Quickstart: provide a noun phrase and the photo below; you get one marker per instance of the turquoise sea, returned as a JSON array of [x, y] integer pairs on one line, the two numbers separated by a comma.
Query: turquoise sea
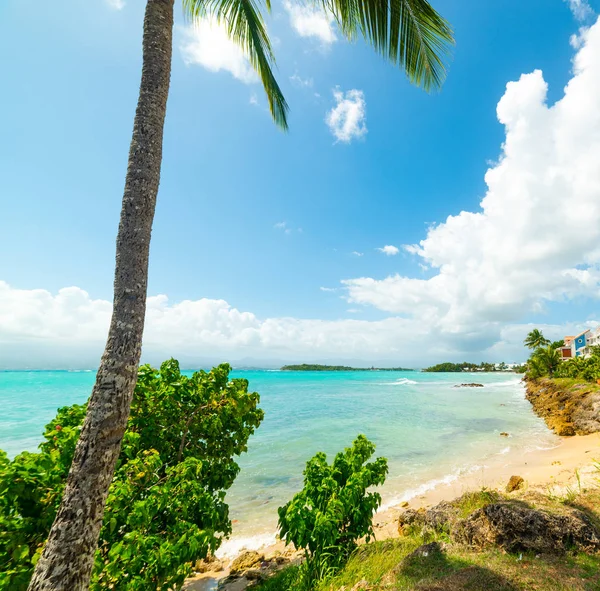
[[430, 431]]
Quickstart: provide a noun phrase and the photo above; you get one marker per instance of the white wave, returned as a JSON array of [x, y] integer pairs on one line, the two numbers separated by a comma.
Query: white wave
[[504, 451], [512, 382], [400, 382], [234, 545], [429, 486]]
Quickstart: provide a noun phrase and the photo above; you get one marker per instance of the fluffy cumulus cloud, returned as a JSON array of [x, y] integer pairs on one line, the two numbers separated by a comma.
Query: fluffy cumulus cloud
[[389, 250], [347, 120], [536, 238], [69, 328], [309, 20], [207, 44]]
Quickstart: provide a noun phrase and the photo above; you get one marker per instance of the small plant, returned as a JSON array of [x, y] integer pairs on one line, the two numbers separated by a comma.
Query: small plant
[[333, 511]]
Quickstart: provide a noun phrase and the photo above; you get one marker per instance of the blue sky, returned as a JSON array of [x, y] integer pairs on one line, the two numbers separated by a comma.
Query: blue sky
[[231, 180]]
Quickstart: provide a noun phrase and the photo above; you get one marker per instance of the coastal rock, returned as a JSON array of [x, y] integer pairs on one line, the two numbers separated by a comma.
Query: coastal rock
[[279, 558], [437, 518], [504, 434], [515, 483], [255, 574], [567, 410], [408, 518], [233, 583], [246, 561], [517, 527], [470, 385], [208, 564]]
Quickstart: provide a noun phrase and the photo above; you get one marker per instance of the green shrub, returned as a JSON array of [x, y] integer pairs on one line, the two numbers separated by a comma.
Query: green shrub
[[334, 509], [165, 507], [579, 368]]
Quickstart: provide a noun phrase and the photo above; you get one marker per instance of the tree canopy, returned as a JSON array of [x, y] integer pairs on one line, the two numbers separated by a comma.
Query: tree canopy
[[165, 506]]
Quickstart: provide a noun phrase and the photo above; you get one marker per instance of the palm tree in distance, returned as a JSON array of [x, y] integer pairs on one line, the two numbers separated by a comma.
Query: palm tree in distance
[[549, 358], [535, 339], [410, 33]]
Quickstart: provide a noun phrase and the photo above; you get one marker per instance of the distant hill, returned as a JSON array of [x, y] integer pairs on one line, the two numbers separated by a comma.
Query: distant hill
[[315, 367]]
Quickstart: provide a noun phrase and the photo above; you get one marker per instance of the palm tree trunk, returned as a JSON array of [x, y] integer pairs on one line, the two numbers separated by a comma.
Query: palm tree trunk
[[68, 557]]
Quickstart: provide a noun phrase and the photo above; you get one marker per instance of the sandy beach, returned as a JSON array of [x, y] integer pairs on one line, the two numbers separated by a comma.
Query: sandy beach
[[550, 470], [572, 463]]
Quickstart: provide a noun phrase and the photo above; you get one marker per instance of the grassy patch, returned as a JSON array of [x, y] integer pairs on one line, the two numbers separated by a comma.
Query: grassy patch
[[471, 501], [388, 566]]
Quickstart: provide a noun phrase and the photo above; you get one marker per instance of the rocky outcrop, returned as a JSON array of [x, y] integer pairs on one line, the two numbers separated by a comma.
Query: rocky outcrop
[[512, 525], [437, 518], [568, 409], [245, 561], [514, 483], [517, 527], [251, 567]]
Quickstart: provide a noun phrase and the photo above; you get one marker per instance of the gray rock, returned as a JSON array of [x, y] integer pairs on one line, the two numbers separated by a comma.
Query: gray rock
[[517, 527]]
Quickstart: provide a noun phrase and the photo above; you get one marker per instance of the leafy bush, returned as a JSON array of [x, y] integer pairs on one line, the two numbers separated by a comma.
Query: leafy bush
[[165, 507], [333, 510], [587, 369]]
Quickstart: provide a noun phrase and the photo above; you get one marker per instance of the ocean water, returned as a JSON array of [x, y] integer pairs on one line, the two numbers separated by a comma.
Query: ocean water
[[430, 431]]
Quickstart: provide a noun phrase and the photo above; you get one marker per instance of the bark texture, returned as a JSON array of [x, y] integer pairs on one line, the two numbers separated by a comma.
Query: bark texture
[[68, 557]]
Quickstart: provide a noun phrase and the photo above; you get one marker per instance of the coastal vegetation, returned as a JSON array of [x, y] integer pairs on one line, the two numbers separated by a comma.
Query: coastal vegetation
[[468, 367], [334, 510], [483, 540], [317, 367], [165, 507], [564, 392], [409, 33], [545, 360]]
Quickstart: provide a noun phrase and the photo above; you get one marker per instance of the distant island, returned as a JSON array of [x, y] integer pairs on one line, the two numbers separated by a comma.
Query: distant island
[[315, 367], [483, 366]]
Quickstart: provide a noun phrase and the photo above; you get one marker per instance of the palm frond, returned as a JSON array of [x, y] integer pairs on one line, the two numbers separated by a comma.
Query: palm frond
[[246, 28], [410, 33]]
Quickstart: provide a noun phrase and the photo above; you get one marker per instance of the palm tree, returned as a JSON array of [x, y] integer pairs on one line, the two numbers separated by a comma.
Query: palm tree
[[535, 339], [547, 358], [410, 33]]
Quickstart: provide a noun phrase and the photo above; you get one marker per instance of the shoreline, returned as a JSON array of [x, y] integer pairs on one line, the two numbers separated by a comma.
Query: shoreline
[[549, 470], [553, 470]]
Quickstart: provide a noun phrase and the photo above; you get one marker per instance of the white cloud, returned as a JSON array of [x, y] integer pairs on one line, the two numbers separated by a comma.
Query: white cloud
[[536, 238], [254, 99], [328, 289], [309, 20], [389, 250], [348, 119], [358, 254], [581, 9], [68, 329], [116, 4], [297, 80], [286, 228], [207, 44]]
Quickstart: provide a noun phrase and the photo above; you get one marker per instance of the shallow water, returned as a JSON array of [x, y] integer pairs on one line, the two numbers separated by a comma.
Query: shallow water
[[430, 431]]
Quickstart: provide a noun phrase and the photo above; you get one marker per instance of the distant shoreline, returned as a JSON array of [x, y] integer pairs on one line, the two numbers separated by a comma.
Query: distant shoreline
[[316, 367]]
